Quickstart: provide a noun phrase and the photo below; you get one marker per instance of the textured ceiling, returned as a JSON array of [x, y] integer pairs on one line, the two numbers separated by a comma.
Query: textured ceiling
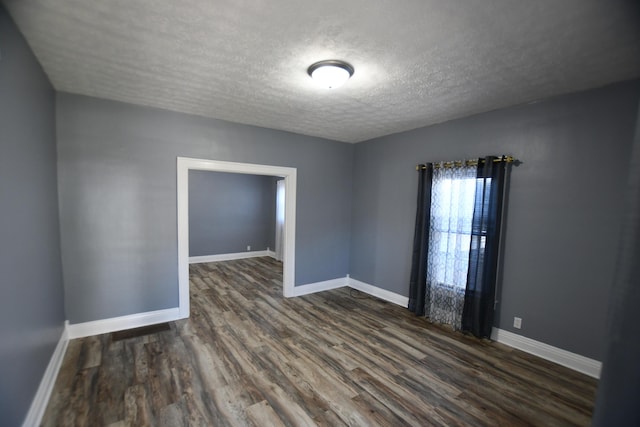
[[417, 62]]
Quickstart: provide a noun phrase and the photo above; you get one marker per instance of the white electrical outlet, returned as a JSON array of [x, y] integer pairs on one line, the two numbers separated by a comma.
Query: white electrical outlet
[[248, 247], [517, 322]]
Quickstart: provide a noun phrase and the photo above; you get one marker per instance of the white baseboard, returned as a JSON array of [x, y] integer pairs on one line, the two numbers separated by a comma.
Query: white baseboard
[[41, 398], [352, 283], [229, 257], [557, 355], [378, 292], [271, 253], [104, 326], [326, 285]]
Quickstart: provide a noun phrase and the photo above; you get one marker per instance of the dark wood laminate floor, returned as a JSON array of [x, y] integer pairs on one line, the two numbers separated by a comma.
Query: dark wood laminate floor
[[247, 356]]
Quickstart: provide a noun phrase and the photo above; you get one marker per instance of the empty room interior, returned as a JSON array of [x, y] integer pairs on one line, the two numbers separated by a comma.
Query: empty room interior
[[319, 213]]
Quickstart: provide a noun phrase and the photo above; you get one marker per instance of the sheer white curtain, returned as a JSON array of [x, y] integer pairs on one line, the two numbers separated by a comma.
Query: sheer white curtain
[[279, 219], [451, 217]]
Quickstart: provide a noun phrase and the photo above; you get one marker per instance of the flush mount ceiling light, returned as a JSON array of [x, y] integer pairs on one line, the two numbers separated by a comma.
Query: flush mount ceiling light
[[330, 74]]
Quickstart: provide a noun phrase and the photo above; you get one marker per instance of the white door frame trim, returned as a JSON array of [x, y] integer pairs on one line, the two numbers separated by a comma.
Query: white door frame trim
[[289, 174]]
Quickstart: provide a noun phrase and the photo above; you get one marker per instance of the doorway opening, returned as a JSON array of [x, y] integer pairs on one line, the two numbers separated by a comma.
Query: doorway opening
[[184, 164], [279, 226]]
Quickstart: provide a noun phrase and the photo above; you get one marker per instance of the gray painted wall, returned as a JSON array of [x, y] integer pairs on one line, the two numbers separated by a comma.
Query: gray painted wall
[[117, 187], [229, 211], [564, 211], [619, 386], [31, 293]]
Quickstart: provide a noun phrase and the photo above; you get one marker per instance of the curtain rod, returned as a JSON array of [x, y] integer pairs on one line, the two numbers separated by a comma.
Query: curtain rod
[[458, 163]]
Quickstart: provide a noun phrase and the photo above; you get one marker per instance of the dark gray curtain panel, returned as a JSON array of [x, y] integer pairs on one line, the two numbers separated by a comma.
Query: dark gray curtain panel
[[417, 284], [477, 314]]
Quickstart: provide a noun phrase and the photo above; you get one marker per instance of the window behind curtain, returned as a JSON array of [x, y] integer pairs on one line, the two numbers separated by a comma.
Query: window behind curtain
[[451, 220]]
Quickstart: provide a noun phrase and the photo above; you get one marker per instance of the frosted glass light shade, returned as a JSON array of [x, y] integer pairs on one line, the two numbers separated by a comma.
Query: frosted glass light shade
[[330, 74]]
